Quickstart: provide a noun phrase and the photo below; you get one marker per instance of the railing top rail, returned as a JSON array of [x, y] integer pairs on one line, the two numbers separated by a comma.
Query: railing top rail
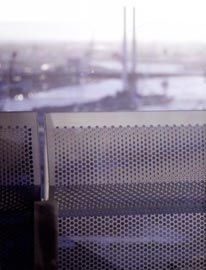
[[102, 119]]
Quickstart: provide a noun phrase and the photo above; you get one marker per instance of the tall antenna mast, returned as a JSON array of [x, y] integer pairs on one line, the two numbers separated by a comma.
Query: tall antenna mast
[[134, 55], [124, 52], [134, 42]]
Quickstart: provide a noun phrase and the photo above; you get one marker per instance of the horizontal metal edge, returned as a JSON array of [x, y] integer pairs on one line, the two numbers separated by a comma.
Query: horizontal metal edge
[[100, 119]]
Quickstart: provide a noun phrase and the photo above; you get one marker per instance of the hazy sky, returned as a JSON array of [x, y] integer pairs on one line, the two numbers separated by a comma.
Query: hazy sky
[[168, 20]]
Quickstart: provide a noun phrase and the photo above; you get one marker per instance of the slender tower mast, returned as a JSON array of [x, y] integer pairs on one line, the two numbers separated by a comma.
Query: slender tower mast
[[124, 52], [134, 55]]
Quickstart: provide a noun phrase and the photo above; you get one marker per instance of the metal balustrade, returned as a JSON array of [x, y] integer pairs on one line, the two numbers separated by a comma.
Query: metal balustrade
[[19, 188], [130, 189]]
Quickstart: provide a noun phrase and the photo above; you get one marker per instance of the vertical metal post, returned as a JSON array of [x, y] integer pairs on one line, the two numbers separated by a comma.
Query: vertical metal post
[[45, 195]]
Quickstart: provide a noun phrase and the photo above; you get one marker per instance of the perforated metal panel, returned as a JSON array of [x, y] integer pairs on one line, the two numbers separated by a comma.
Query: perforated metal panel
[[130, 188], [19, 187], [167, 241]]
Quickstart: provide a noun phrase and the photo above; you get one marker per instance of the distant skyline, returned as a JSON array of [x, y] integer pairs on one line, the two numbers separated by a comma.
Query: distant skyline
[[66, 20]]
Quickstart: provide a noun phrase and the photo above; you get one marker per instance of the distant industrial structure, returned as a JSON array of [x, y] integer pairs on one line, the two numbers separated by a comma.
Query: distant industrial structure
[[28, 69], [130, 74], [129, 82], [129, 77]]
